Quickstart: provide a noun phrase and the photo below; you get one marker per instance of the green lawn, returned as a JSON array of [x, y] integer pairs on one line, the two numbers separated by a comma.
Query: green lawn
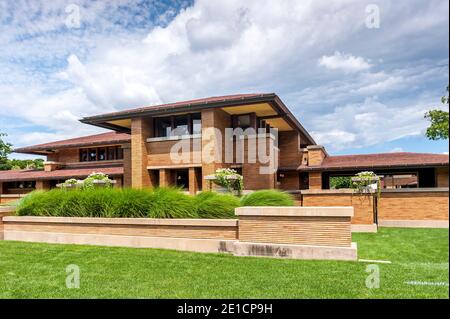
[[417, 255]]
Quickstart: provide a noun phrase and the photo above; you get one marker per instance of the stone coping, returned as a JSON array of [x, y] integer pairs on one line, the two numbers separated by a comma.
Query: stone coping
[[385, 190], [417, 190], [125, 221], [7, 209], [335, 211], [173, 138], [12, 195]]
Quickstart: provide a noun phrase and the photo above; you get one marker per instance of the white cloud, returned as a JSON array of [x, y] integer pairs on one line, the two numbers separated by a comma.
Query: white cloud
[[369, 123], [55, 76], [344, 62], [396, 150]]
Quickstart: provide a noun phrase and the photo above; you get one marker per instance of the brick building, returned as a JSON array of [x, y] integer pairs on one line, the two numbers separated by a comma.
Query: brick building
[[182, 143]]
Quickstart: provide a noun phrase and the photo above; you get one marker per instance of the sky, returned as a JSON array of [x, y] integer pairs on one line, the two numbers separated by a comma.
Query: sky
[[359, 75]]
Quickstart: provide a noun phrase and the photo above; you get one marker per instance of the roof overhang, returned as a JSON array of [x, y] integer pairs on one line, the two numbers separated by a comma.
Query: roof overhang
[[375, 167], [113, 120]]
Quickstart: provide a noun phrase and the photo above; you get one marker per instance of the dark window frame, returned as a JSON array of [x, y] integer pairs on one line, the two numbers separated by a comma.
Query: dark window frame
[[191, 117], [115, 151]]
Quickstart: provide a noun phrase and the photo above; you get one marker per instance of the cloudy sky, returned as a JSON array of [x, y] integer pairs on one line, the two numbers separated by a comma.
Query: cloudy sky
[[359, 84]]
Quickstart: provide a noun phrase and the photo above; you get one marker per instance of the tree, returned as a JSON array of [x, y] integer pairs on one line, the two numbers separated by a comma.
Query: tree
[[5, 150], [337, 182], [8, 164], [438, 130]]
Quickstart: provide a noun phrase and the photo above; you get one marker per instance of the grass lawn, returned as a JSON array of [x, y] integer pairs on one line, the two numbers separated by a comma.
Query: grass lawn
[[417, 255]]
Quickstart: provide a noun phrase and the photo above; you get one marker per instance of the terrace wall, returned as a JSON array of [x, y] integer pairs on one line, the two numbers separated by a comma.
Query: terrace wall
[[415, 207], [319, 233], [414, 204]]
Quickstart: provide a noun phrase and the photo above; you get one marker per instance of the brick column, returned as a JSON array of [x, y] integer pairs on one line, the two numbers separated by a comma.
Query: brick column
[[42, 185], [165, 178], [213, 141], [141, 129], [118, 183], [315, 180], [258, 175], [193, 181], [126, 165]]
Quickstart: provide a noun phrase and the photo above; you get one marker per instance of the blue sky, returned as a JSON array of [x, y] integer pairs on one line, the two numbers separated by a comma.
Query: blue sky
[[358, 85]]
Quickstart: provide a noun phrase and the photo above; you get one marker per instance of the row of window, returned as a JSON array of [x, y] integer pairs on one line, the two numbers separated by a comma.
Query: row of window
[[101, 154], [192, 124], [178, 125], [21, 185]]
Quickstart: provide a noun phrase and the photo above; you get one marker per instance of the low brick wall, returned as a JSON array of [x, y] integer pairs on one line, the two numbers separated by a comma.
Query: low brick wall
[[296, 225], [363, 204], [9, 198], [5, 211], [287, 232], [296, 232], [411, 207], [428, 205]]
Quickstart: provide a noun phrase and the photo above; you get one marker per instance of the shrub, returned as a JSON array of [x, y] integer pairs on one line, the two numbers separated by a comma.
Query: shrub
[[267, 198], [214, 205]]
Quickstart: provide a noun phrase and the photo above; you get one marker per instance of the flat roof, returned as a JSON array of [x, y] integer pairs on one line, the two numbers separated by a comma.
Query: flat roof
[[379, 160], [110, 120], [32, 175], [90, 140]]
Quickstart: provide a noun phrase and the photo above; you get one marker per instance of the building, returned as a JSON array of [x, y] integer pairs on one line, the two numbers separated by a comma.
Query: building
[[181, 143], [73, 158]]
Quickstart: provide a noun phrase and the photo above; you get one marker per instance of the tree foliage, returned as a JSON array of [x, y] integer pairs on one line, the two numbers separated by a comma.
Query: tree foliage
[[9, 164], [438, 130], [337, 182]]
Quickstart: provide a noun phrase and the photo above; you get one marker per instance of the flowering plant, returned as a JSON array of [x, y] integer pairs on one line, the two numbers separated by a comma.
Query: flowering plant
[[230, 179]]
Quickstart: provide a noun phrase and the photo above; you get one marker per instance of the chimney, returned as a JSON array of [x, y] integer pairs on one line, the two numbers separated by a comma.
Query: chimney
[[316, 154]]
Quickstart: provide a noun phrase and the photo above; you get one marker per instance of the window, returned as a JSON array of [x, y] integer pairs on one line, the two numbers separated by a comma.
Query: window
[[178, 125], [101, 154], [21, 185], [163, 126], [92, 154], [196, 123], [181, 125], [111, 153], [119, 153], [243, 121], [84, 157]]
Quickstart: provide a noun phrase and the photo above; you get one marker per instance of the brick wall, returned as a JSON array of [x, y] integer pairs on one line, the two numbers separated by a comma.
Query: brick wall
[[289, 145], [315, 180], [212, 143], [413, 205], [159, 153], [289, 181], [127, 165], [316, 154], [442, 176], [141, 129], [320, 226], [362, 204]]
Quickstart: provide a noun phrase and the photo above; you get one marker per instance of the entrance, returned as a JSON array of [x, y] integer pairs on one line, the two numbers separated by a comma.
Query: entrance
[[182, 178]]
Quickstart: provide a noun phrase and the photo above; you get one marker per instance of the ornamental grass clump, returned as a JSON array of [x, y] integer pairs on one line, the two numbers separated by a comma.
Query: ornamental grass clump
[[106, 202], [267, 198], [214, 205]]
